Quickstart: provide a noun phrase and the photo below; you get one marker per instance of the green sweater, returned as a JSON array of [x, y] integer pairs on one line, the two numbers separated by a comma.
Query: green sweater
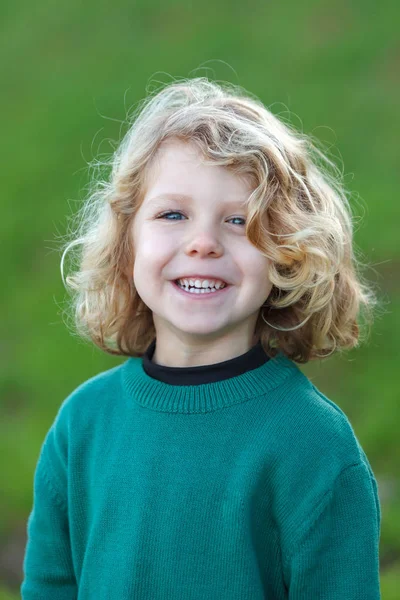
[[252, 487]]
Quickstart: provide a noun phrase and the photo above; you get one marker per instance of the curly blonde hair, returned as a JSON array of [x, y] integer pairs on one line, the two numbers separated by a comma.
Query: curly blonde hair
[[318, 292]]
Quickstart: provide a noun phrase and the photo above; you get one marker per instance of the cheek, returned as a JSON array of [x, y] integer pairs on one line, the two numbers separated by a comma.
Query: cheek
[[254, 263], [258, 269], [152, 253], [148, 245]]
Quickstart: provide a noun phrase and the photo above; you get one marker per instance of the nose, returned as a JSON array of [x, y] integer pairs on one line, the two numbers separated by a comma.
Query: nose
[[203, 243]]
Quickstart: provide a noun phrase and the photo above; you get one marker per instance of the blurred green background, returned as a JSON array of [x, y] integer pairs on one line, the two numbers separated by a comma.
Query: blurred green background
[[69, 74]]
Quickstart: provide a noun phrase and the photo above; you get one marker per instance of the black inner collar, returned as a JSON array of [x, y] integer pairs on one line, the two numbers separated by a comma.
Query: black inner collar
[[252, 359]]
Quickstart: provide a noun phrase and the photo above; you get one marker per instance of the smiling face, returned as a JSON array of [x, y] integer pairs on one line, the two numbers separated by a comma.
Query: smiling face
[[204, 234]]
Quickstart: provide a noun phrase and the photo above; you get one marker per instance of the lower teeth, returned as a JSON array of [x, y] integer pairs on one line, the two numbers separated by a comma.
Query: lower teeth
[[198, 290]]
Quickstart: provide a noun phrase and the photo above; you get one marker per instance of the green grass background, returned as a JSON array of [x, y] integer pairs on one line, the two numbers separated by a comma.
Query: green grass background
[[69, 74]]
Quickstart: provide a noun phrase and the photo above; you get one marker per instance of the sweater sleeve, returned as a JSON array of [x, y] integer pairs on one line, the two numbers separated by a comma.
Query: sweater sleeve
[[338, 555], [48, 568]]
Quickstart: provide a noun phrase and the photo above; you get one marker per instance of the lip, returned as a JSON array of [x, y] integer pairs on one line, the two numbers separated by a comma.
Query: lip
[[207, 296]]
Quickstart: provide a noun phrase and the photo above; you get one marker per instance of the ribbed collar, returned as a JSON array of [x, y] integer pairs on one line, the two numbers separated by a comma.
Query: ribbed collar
[[158, 395]]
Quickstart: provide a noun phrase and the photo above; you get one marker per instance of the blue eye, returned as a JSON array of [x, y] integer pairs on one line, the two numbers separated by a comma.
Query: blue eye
[[174, 212], [166, 214], [240, 219]]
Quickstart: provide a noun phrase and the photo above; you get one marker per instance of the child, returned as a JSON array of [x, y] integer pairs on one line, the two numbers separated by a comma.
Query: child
[[207, 465]]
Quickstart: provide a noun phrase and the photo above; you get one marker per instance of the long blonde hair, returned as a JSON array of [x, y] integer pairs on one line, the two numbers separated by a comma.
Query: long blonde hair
[[318, 292]]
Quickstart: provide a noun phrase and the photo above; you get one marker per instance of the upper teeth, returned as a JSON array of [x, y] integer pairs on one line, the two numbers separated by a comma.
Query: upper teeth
[[204, 283]]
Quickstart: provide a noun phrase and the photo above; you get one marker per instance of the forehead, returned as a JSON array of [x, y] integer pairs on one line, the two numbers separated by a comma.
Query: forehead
[[180, 172]]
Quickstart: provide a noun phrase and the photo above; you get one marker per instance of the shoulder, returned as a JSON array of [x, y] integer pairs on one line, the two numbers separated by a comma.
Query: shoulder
[[318, 450], [332, 419], [82, 417], [95, 399], [316, 429]]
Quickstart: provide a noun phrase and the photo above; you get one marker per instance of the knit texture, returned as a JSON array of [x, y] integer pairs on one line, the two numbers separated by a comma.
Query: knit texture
[[254, 487]]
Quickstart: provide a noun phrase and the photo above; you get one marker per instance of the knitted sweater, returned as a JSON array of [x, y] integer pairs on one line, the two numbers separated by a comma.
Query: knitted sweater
[[247, 484]]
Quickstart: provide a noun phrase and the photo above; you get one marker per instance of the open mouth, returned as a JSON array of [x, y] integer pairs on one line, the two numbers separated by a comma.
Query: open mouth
[[210, 291]]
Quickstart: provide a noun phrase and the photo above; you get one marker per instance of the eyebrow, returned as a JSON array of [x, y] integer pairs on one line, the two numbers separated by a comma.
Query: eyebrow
[[188, 198], [184, 197]]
